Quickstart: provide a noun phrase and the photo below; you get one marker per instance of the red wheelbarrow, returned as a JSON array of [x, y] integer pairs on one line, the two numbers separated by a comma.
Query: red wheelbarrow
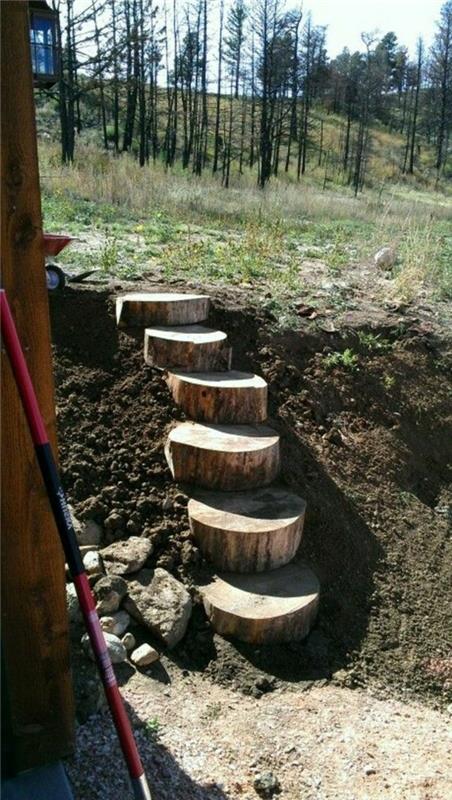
[[54, 243]]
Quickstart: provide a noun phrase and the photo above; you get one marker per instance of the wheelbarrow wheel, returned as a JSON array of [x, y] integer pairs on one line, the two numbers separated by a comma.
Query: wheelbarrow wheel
[[56, 279]]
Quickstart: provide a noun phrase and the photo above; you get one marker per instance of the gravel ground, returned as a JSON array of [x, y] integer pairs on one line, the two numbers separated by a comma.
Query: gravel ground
[[205, 742]]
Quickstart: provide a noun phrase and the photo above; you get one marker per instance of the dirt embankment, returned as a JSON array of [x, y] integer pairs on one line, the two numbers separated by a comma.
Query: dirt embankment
[[368, 445]]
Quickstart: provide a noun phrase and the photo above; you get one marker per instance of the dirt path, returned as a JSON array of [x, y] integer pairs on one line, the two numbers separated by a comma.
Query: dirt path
[[327, 743]]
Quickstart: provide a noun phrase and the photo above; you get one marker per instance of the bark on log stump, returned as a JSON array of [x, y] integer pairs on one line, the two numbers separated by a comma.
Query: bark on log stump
[[147, 308], [247, 531], [193, 348], [227, 457], [276, 606], [227, 398]]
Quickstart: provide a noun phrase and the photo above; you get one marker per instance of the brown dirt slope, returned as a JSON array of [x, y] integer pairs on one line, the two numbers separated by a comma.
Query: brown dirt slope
[[367, 444]]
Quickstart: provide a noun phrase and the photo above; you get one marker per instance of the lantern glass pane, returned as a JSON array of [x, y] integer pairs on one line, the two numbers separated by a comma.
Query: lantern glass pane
[[42, 44]]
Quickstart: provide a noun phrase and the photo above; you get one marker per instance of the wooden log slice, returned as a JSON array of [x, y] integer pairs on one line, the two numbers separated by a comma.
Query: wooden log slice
[[247, 531], [233, 397], [227, 457], [191, 347], [147, 308], [276, 606]]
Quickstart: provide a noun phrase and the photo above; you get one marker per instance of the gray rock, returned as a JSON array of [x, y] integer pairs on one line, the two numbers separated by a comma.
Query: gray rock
[[107, 624], [109, 592], [73, 607], [90, 532], [92, 562], [76, 524], [128, 641], [88, 689], [114, 521], [144, 655], [266, 784], [385, 258], [162, 603], [126, 556], [116, 649], [121, 622], [86, 531]]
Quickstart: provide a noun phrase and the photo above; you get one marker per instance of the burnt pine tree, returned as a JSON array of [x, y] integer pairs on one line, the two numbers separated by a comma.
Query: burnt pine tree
[[217, 138], [414, 121], [441, 77]]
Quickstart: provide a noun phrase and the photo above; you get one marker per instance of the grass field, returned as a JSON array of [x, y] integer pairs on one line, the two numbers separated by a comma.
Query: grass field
[[135, 220]]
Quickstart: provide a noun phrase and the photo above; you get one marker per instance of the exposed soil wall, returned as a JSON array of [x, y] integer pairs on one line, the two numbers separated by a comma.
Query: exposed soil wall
[[368, 447]]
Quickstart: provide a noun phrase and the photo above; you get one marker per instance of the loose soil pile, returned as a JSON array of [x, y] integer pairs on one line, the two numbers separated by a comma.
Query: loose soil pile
[[368, 446]]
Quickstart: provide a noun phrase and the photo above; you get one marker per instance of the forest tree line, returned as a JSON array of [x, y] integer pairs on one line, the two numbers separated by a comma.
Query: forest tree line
[[251, 91]]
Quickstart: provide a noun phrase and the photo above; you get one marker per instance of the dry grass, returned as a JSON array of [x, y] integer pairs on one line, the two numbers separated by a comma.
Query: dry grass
[[260, 227], [121, 182]]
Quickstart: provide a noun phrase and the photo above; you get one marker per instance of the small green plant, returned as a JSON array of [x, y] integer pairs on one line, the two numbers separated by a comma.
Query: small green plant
[[373, 342], [152, 729], [406, 498], [109, 254], [388, 381], [348, 359], [213, 711]]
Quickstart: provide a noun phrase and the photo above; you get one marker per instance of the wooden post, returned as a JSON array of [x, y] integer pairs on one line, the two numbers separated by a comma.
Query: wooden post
[[35, 643]]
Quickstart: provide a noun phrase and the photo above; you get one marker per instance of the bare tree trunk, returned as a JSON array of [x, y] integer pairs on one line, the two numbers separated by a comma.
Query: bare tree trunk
[[115, 79], [416, 106], [218, 97], [101, 80]]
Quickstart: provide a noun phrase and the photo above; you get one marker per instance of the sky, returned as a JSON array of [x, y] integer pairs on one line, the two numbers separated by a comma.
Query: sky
[[346, 19]]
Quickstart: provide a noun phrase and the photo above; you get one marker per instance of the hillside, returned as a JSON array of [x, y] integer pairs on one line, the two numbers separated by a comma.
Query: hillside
[[325, 139]]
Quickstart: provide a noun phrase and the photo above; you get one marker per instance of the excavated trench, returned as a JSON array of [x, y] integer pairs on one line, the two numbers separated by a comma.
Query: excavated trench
[[368, 447]]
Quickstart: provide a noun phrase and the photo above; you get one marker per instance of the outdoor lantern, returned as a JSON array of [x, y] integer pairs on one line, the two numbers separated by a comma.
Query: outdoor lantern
[[44, 48]]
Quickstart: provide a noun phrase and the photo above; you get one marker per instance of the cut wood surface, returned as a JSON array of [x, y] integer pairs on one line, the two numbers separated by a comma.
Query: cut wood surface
[[225, 457], [247, 531], [276, 606], [194, 348], [148, 308], [232, 397]]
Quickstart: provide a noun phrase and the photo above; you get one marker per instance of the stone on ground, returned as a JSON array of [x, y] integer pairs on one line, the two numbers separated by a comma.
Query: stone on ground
[[267, 785], [109, 593], [73, 606], [92, 562], [161, 603], [385, 258], [117, 623], [115, 647], [86, 531], [128, 641], [144, 655], [126, 556]]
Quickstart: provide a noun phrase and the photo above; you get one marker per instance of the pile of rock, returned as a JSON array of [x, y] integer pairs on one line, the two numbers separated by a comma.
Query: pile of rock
[[126, 592]]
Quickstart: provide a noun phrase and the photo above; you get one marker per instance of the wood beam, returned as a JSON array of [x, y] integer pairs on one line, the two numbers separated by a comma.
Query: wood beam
[[34, 620]]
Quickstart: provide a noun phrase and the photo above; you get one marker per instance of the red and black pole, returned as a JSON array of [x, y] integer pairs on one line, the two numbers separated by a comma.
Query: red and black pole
[[69, 542]]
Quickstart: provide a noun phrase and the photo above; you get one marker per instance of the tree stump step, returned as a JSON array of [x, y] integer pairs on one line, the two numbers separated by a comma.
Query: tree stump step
[[161, 308], [247, 531], [193, 348], [275, 606], [233, 397], [226, 457]]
